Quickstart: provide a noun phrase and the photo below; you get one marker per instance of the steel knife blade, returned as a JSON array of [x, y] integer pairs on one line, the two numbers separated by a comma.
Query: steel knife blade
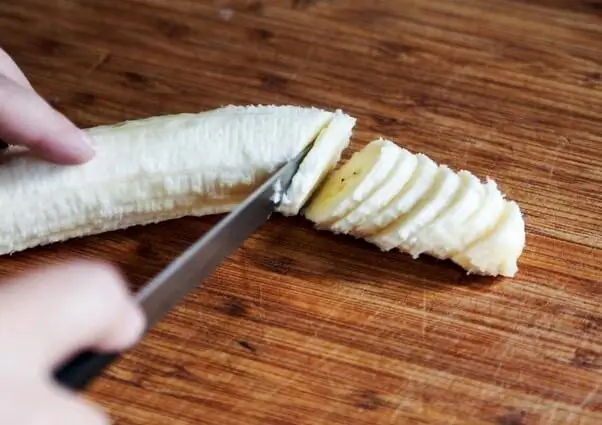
[[194, 265]]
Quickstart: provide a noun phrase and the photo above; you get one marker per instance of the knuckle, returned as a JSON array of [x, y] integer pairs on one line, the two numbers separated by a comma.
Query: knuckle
[[97, 290], [108, 282], [103, 283]]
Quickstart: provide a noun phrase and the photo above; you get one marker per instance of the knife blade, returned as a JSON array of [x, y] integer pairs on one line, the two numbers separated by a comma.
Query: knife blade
[[194, 265]]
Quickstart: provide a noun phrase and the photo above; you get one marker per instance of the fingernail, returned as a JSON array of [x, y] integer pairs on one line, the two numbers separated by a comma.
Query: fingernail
[[75, 150], [85, 147]]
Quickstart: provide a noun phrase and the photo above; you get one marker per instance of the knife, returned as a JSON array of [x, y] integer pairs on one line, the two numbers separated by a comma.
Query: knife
[[194, 265]]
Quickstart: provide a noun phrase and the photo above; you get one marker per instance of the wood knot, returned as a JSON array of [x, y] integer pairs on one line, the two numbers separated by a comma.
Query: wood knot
[[392, 124], [256, 7], [272, 82], [512, 418], [280, 265], [247, 346], [367, 400], [172, 29], [382, 120], [145, 250], [50, 46], [594, 6], [234, 307], [304, 4], [260, 34], [136, 78], [84, 98]]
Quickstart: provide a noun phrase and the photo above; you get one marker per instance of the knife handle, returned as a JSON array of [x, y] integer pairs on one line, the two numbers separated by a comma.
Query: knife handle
[[82, 369]]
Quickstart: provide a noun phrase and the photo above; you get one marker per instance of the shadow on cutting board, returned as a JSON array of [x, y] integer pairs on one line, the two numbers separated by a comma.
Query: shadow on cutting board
[[293, 247], [285, 246]]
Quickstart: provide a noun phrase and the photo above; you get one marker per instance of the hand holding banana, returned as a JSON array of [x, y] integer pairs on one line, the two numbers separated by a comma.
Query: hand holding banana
[[47, 315], [28, 120]]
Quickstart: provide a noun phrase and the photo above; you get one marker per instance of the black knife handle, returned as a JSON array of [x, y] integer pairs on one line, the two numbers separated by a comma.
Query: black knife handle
[[82, 369]]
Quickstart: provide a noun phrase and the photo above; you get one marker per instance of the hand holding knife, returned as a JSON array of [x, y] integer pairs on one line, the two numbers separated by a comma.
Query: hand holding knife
[[163, 292]]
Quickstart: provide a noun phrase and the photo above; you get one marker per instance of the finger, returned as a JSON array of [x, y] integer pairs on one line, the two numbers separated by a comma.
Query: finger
[[9, 68], [67, 409], [53, 313], [34, 403], [28, 120]]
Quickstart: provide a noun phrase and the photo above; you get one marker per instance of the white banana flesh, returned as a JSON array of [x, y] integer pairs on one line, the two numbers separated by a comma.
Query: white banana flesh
[[448, 232], [323, 157], [399, 175], [167, 167], [436, 211], [488, 213], [495, 253], [401, 232], [420, 183], [351, 184], [163, 168]]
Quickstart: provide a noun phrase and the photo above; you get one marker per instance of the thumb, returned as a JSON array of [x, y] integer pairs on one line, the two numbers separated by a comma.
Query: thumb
[[51, 314]]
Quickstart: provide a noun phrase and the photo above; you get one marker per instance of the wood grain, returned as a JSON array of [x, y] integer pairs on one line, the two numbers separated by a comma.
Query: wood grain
[[304, 327]]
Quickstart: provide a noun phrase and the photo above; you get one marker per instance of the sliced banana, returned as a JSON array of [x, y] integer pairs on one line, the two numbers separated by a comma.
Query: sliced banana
[[353, 183], [396, 180], [163, 168], [323, 157], [421, 182], [479, 224], [445, 231], [402, 230], [497, 253]]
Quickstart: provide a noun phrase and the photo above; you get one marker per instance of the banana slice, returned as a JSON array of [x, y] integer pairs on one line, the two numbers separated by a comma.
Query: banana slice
[[396, 180], [497, 253], [323, 157], [420, 183], [445, 231], [400, 232], [479, 224], [354, 182]]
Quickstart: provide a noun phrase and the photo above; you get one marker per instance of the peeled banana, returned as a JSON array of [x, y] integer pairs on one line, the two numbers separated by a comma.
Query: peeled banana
[[166, 167], [195, 164]]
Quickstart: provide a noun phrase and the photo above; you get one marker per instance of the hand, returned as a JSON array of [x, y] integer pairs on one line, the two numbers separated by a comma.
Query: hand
[[27, 120], [46, 317]]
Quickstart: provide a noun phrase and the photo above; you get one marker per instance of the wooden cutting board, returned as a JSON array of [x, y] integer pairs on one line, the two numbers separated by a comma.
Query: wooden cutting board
[[304, 327]]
